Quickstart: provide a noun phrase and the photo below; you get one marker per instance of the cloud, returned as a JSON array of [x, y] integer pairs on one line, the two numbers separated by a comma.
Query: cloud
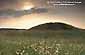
[[8, 1], [13, 7], [40, 10], [19, 13], [8, 4], [13, 4]]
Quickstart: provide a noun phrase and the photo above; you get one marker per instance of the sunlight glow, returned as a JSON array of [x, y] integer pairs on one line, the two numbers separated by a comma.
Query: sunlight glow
[[27, 6]]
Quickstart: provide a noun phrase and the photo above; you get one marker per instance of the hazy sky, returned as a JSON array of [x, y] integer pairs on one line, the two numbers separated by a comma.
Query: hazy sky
[[29, 13]]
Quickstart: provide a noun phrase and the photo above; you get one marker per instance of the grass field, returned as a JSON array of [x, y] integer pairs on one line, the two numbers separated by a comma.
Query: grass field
[[42, 42]]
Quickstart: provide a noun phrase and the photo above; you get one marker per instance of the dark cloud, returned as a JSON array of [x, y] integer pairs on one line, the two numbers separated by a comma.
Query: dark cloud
[[14, 13], [8, 4], [19, 13], [8, 1], [39, 10]]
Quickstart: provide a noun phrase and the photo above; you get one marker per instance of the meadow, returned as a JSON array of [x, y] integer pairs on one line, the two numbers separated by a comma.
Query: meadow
[[24, 42]]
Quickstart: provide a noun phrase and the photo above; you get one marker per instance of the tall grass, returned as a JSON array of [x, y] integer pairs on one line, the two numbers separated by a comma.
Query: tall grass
[[42, 43]]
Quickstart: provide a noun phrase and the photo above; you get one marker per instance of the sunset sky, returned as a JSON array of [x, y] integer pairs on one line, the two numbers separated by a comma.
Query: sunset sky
[[24, 14]]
